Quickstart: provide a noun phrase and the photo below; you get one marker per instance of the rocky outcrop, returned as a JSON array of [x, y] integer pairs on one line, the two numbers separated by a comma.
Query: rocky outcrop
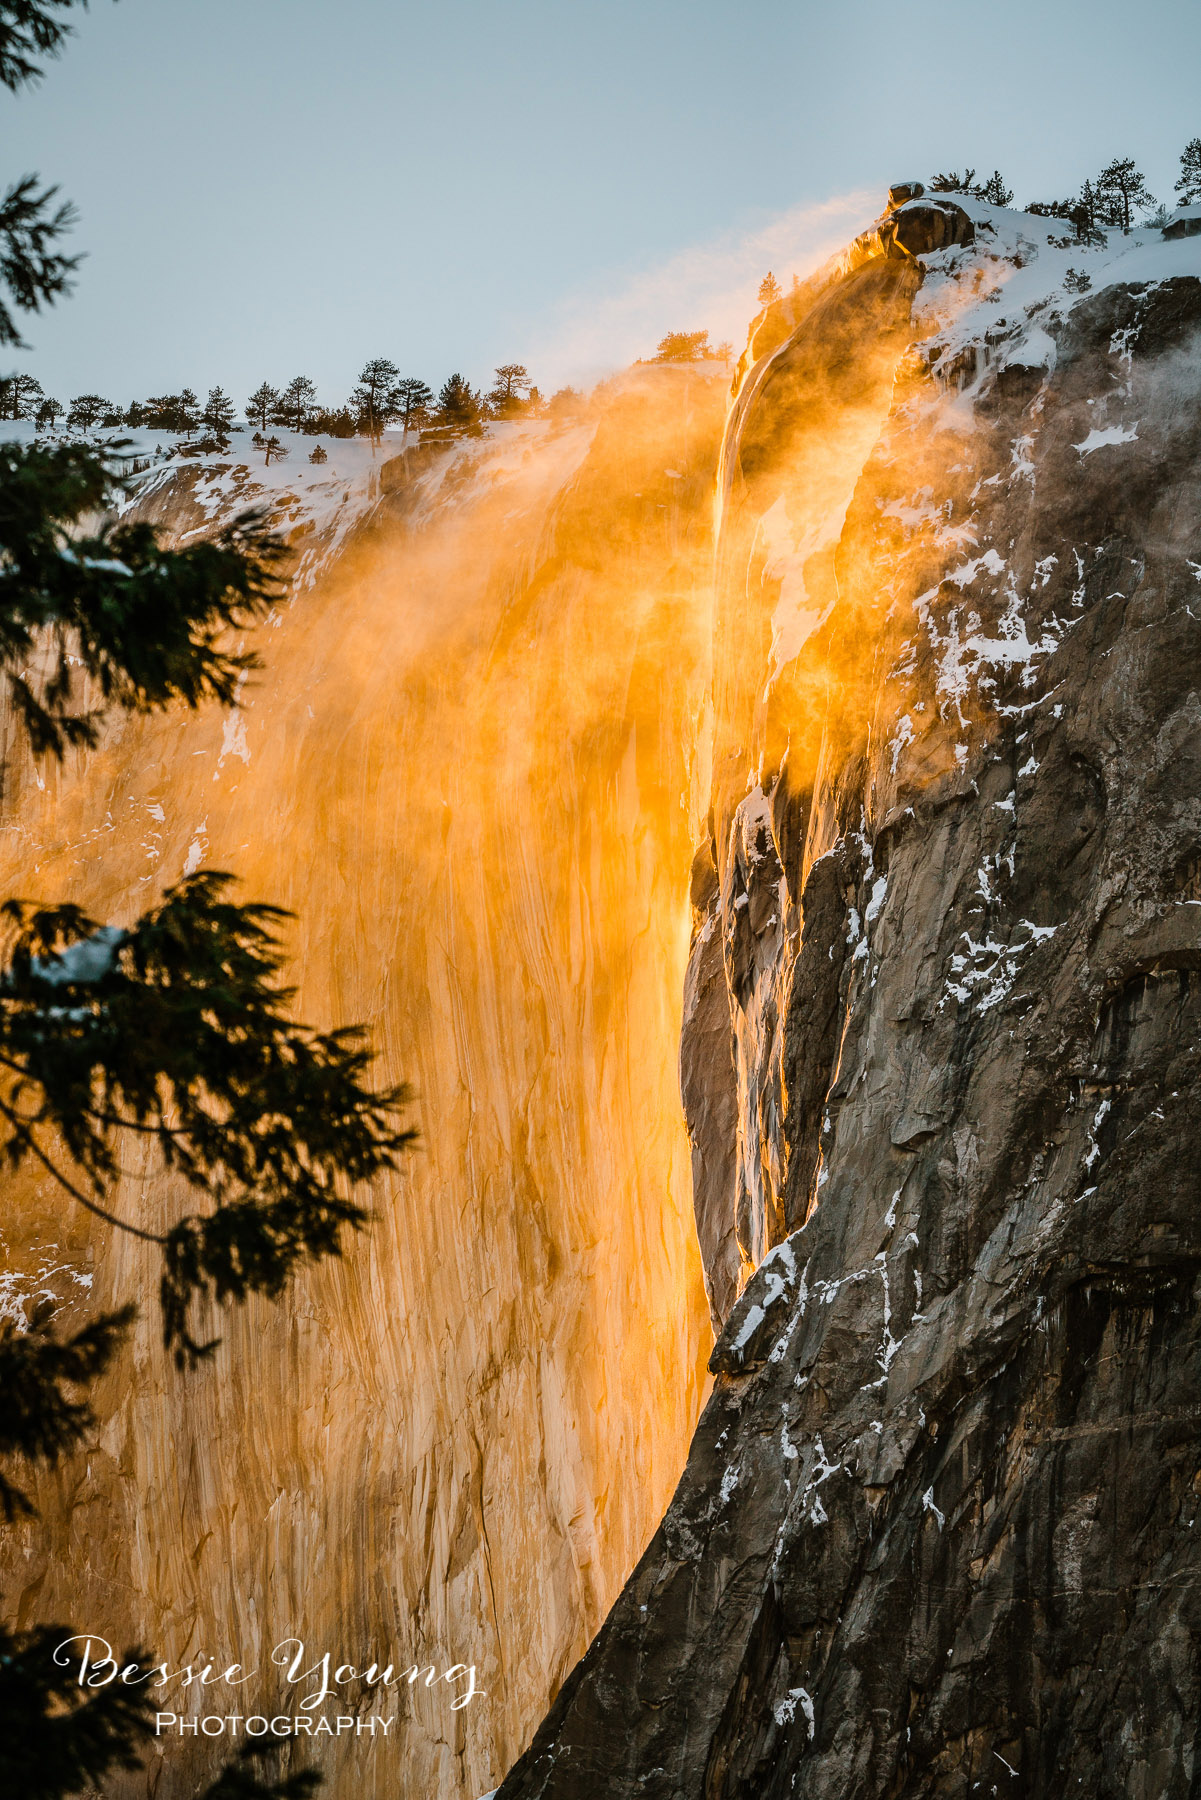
[[910, 227], [938, 1530]]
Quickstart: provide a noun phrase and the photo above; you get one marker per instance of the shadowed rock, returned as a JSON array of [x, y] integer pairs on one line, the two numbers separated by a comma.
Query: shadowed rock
[[938, 1532]]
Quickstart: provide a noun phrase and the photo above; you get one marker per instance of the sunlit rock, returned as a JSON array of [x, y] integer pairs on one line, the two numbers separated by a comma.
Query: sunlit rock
[[466, 767], [938, 1533]]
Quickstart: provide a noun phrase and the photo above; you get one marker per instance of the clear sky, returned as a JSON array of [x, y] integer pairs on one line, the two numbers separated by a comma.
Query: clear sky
[[274, 187]]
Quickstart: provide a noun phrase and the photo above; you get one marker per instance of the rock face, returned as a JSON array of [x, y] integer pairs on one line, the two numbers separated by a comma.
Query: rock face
[[938, 1531], [465, 766]]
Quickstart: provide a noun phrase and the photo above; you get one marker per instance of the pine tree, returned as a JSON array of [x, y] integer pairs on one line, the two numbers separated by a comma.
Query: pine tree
[[341, 423], [175, 1030], [317, 454], [1120, 188], [952, 182], [272, 447], [459, 405], [683, 346], [159, 412], [171, 412], [87, 410], [54, 1739], [261, 404], [1084, 212], [188, 412], [413, 401], [20, 396], [769, 291], [1188, 188], [994, 190], [218, 415], [49, 410], [375, 396], [506, 396], [297, 401]]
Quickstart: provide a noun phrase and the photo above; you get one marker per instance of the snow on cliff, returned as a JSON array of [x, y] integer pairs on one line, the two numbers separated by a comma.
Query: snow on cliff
[[1025, 273], [314, 505]]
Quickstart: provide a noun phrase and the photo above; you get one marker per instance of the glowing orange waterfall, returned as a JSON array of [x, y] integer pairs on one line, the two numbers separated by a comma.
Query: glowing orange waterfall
[[467, 766]]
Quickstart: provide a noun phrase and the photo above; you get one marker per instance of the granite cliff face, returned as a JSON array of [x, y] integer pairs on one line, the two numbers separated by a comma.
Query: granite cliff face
[[920, 735], [465, 765], [937, 1534]]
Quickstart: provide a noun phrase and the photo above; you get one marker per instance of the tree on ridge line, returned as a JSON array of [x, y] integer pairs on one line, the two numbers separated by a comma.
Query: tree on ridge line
[[262, 404], [1188, 187]]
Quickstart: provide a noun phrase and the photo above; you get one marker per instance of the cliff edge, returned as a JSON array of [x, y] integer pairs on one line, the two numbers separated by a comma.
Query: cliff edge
[[937, 1533]]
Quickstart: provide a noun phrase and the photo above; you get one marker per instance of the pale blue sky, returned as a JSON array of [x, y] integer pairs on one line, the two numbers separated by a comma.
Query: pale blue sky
[[271, 187]]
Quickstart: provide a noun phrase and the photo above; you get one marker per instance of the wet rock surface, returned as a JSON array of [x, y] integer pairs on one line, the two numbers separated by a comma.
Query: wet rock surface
[[938, 1532]]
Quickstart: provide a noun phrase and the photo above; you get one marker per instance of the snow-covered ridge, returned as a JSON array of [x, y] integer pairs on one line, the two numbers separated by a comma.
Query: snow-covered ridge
[[315, 505], [1004, 294]]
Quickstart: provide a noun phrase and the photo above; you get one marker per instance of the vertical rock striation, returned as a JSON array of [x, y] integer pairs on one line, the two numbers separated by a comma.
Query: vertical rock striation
[[466, 766], [938, 1531]]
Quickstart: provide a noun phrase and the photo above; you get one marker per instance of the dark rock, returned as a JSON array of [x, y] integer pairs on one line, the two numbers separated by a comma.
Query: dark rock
[[923, 226], [901, 191], [709, 1091], [759, 1325], [940, 1529]]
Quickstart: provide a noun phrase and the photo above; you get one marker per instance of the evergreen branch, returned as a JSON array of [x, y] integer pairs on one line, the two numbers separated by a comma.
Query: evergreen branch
[[145, 625], [29, 28], [238, 1781], [179, 1028], [34, 273], [23, 1135], [56, 1738], [38, 1418]]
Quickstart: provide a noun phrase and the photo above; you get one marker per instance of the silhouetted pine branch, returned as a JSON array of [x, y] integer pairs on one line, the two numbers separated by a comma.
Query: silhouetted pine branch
[[29, 29], [178, 1029], [56, 1737], [239, 1781], [144, 624], [43, 1415]]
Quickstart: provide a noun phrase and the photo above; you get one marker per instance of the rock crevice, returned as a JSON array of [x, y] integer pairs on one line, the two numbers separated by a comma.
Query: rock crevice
[[937, 1532]]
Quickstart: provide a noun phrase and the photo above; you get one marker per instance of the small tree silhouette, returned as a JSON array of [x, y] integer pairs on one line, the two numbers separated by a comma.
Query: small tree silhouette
[[683, 346], [1188, 188], [1120, 188], [261, 404]]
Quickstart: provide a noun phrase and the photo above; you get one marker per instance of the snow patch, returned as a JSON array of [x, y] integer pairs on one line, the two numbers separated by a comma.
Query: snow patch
[[90, 959], [1111, 434], [796, 615], [197, 850], [784, 1711]]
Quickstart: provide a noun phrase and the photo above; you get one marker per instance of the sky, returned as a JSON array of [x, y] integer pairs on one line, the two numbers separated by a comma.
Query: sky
[[277, 187]]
